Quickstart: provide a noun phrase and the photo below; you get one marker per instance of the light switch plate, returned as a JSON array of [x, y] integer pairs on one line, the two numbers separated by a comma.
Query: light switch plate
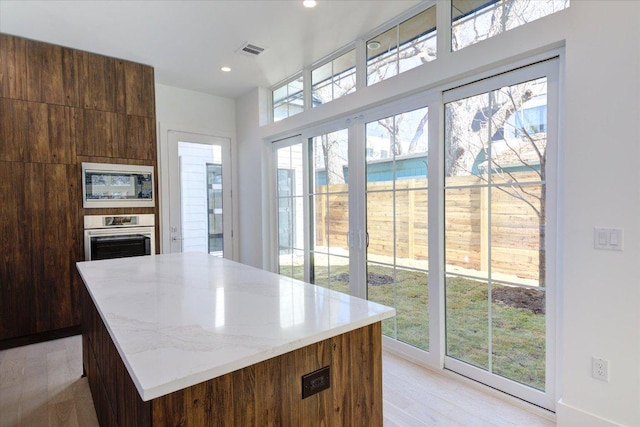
[[610, 239]]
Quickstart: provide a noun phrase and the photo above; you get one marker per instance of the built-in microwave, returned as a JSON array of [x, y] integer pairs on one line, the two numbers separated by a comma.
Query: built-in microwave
[[106, 185]]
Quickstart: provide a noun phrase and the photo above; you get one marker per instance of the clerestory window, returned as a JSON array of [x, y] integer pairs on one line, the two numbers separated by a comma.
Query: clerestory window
[[475, 20], [288, 99], [334, 79], [402, 47]]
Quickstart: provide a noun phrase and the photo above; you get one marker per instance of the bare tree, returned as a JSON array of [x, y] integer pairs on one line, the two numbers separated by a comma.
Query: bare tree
[[476, 124], [332, 155], [333, 159], [461, 125]]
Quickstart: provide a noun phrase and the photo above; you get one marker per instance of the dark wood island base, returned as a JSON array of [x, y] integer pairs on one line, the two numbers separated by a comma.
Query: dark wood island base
[[268, 393]]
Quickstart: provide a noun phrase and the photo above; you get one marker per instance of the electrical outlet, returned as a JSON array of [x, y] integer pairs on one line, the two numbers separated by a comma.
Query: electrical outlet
[[316, 381], [600, 369]]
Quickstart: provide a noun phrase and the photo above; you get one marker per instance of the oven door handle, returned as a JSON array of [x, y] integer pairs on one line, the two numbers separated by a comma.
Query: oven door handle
[[119, 238], [116, 232]]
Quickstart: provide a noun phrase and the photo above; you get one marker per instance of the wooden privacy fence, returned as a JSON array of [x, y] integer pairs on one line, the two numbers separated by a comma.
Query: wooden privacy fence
[[508, 225]]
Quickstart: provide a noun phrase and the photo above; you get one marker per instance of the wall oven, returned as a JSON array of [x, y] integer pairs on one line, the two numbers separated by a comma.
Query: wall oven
[[118, 236]]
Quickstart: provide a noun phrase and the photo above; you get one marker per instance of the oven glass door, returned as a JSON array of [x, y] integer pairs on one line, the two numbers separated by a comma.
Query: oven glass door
[[120, 246]]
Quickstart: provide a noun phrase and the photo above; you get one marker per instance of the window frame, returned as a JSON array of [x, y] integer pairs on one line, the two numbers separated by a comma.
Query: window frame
[[361, 56], [286, 83], [487, 7], [550, 69], [329, 59], [395, 52]]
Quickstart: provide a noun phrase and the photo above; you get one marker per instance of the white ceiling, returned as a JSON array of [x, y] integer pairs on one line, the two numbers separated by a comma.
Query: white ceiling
[[188, 41]]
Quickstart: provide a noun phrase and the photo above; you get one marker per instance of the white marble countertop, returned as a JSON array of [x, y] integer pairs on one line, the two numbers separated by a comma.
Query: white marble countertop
[[180, 319]]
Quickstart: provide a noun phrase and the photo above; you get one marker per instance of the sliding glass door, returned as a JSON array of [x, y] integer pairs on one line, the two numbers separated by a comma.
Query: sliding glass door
[[397, 222], [498, 135], [329, 210], [443, 207], [313, 209], [290, 180]]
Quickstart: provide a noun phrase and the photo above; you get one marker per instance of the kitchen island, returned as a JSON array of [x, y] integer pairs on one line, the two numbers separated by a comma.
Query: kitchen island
[[191, 339]]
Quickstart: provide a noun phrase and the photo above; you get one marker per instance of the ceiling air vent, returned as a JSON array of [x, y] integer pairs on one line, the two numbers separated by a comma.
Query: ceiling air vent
[[250, 49]]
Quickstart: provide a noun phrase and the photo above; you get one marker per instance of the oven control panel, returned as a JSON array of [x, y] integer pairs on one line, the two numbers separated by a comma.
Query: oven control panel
[[115, 221]]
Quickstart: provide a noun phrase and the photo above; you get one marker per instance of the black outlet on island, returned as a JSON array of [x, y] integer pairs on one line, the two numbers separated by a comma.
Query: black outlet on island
[[316, 381]]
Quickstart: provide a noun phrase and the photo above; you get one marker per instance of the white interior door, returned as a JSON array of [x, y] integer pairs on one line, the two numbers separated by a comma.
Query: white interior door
[[200, 209]]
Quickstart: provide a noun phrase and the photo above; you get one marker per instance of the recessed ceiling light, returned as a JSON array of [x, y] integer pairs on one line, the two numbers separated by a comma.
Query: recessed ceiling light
[[309, 3], [225, 69], [373, 45]]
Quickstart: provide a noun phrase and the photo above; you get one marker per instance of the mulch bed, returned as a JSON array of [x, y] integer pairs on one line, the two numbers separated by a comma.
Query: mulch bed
[[526, 298]]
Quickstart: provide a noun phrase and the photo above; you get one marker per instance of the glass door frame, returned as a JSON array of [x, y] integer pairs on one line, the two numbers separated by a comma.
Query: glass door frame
[[551, 70], [430, 99]]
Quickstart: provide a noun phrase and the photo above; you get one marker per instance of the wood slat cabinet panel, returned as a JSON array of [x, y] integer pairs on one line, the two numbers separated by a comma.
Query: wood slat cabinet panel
[[97, 82], [13, 127], [100, 133], [140, 142], [115, 136], [121, 91], [45, 80], [61, 241], [42, 72], [38, 287], [62, 135], [17, 297], [37, 71], [139, 89], [35, 212], [13, 67], [51, 73], [37, 132], [37, 142]]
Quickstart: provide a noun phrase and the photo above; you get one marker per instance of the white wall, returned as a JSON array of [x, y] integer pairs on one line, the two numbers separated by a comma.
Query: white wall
[[192, 112], [601, 307], [251, 113], [599, 291]]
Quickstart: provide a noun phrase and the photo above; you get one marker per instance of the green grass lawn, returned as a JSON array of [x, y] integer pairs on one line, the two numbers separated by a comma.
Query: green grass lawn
[[517, 333]]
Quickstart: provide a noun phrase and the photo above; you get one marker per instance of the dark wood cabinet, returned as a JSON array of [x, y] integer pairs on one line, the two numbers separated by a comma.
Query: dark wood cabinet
[[58, 108], [13, 67], [97, 82], [117, 136], [17, 296], [139, 90], [51, 73], [62, 135], [38, 283], [37, 132], [101, 132], [61, 243], [141, 139]]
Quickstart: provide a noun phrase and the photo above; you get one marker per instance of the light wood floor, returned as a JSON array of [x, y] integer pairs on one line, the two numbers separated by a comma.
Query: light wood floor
[[41, 385], [417, 397]]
